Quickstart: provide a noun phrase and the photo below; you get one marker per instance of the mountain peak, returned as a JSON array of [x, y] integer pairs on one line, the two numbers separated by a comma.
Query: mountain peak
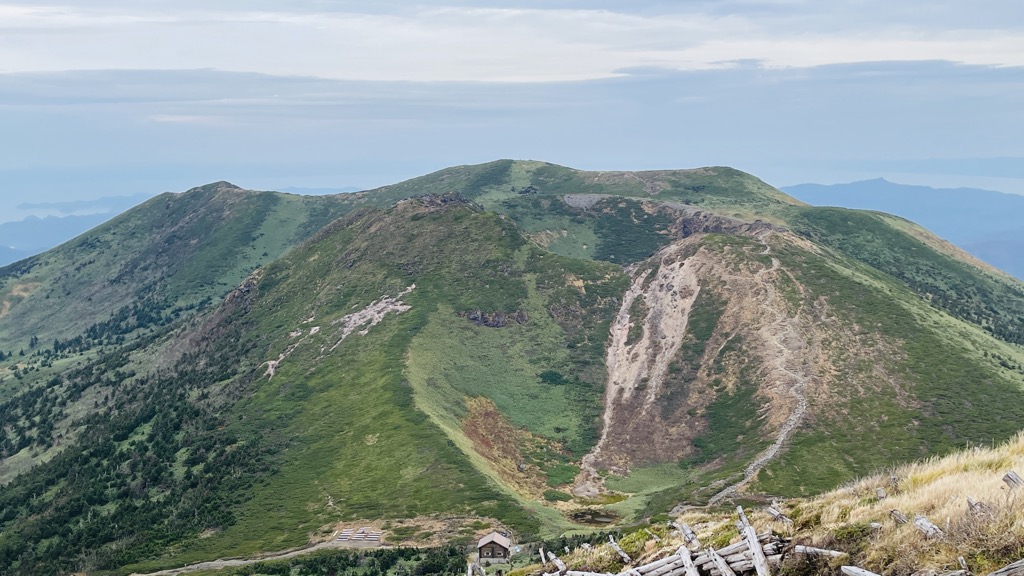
[[219, 186]]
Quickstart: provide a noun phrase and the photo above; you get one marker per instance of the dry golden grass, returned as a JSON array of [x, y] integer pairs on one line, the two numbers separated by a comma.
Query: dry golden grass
[[938, 489]]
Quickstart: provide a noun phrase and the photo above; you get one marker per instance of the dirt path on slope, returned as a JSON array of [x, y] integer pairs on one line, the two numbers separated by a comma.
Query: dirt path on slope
[[234, 562], [780, 331]]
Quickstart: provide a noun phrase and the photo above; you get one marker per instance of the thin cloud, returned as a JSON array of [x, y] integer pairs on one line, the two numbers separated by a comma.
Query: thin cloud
[[498, 44]]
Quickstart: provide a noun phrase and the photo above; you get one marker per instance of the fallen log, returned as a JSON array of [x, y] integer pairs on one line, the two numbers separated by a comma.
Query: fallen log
[[777, 515], [1015, 569], [720, 564], [898, 516], [615, 546], [1013, 480], [927, 528], [688, 536], [737, 552], [855, 571], [756, 553], [562, 568], [746, 565], [812, 551]]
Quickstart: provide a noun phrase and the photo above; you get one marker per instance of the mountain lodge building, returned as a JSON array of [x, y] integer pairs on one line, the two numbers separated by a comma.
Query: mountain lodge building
[[493, 548]]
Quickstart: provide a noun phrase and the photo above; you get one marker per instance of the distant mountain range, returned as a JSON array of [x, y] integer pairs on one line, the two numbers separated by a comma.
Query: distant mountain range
[[988, 224], [66, 220]]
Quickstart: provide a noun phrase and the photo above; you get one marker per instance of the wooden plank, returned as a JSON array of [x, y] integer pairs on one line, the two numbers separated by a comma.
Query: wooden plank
[[812, 551], [976, 507], [1015, 569], [929, 530], [689, 568], [719, 563], [855, 571], [653, 566], [653, 536], [687, 533], [622, 554], [662, 567], [777, 515], [898, 516], [756, 553], [737, 551], [562, 568], [1013, 480]]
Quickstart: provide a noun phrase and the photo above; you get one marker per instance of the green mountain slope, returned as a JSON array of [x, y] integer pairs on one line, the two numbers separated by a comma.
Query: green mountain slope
[[519, 344]]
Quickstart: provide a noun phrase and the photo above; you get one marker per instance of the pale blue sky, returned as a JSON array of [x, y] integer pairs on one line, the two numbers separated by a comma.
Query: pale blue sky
[[120, 97]]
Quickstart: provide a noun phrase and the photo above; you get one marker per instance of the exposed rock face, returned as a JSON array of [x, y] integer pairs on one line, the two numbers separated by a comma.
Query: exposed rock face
[[662, 377], [495, 319]]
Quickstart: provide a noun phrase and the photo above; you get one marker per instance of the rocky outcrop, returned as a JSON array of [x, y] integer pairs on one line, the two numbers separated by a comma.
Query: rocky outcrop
[[495, 319]]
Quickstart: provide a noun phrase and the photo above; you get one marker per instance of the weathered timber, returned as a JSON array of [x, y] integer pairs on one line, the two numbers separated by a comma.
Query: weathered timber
[[1015, 569], [956, 573], [562, 568], [661, 568], [622, 554], [745, 565], [963, 563], [875, 525], [653, 536], [1013, 480], [855, 571], [977, 507], [689, 568], [720, 564], [649, 569], [738, 551], [812, 551], [580, 573], [898, 516], [927, 528], [688, 536], [566, 549], [880, 493], [777, 515], [756, 553], [704, 562]]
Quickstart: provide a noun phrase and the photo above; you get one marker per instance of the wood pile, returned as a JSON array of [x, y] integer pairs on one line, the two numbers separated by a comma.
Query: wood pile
[[756, 554]]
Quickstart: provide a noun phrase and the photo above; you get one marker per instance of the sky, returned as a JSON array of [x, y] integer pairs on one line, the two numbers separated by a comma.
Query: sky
[[126, 97]]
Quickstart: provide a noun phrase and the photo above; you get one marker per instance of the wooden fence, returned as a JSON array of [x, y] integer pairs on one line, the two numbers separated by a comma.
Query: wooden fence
[[758, 553]]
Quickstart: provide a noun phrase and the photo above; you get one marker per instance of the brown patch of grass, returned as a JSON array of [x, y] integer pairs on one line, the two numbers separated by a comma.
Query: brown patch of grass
[[501, 443]]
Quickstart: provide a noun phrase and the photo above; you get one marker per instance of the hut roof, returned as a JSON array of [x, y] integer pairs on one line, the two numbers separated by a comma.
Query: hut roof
[[497, 539]]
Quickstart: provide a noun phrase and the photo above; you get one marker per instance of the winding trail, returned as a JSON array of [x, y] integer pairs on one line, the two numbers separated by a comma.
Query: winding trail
[[787, 329], [233, 562]]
